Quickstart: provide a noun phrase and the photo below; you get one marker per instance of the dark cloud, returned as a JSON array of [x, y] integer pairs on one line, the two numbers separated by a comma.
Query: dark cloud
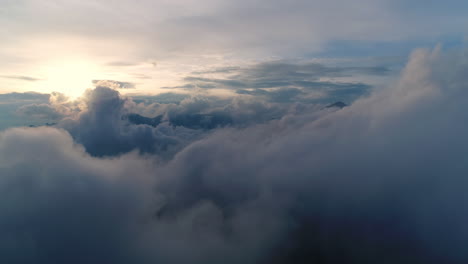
[[379, 181], [337, 104]]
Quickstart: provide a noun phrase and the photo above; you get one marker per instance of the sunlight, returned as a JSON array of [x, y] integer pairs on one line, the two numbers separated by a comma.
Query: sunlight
[[71, 76]]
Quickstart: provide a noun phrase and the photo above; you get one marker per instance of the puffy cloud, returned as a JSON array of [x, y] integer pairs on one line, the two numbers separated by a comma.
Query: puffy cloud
[[60, 205], [102, 127], [382, 180]]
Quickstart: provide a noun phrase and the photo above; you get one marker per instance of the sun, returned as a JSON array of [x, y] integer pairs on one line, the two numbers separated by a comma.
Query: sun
[[69, 76]]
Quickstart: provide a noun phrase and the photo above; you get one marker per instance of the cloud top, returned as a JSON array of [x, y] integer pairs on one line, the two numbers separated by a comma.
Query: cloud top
[[382, 179]]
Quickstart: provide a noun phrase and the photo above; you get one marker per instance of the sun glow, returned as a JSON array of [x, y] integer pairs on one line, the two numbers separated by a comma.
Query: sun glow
[[71, 77]]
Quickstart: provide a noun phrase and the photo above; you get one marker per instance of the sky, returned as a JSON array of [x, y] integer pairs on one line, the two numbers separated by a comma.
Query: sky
[[64, 45], [215, 131]]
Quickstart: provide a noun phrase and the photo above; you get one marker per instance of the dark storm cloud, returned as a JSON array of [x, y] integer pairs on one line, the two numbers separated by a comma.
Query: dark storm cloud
[[382, 180]]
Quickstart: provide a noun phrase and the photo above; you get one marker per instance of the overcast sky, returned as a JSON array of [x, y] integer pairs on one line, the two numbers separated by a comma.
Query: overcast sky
[[58, 45]]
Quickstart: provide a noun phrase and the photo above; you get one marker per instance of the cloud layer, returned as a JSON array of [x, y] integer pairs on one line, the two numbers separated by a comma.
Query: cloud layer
[[45, 40], [382, 180]]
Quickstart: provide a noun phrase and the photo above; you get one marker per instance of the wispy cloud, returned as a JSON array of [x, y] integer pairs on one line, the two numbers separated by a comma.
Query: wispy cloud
[[21, 78], [122, 64], [284, 81]]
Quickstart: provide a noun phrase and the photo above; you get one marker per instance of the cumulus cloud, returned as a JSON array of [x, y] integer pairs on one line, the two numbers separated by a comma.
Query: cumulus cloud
[[107, 123], [382, 180], [103, 127]]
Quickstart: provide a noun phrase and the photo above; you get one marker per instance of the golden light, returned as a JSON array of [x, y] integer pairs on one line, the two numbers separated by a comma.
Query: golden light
[[69, 76]]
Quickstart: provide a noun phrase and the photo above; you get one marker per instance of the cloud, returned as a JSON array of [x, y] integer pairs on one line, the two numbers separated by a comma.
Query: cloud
[[285, 81], [103, 127], [41, 111], [371, 181], [280, 95], [22, 97], [162, 98], [108, 124], [122, 64], [219, 70], [380, 180], [263, 28], [11, 102], [113, 84], [21, 78], [74, 209], [212, 32]]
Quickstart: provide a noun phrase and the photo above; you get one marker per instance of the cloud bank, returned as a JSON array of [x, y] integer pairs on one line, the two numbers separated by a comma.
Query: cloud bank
[[380, 181]]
